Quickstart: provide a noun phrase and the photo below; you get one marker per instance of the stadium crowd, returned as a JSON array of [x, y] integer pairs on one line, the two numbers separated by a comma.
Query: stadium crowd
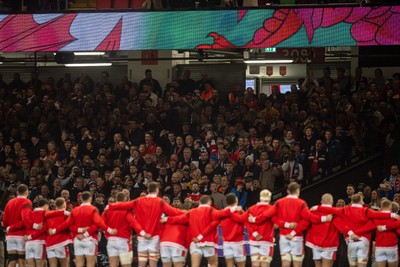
[[63, 137]]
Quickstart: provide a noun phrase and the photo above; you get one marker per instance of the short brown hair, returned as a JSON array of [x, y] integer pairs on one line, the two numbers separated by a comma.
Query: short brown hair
[[43, 202], [204, 199], [152, 187], [386, 204], [59, 202], [356, 198], [22, 189], [293, 187], [86, 195], [120, 197], [231, 198]]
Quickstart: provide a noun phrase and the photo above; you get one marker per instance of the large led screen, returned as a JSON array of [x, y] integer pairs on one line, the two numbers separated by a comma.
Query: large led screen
[[207, 29]]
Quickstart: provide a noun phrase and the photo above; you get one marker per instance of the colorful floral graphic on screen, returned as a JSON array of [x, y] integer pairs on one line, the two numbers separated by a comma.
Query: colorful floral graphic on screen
[[106, 31]]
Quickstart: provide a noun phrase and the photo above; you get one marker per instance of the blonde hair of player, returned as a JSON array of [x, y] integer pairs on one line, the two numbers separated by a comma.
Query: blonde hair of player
[[265, 196], [327, 199]]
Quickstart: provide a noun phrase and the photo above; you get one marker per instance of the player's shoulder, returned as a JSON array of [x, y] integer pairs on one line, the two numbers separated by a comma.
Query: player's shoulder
[[148, 198], [26, 200]]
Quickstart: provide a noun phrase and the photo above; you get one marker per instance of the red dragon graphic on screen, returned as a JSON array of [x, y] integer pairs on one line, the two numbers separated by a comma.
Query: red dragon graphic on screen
[[369, 26], [23, 33]]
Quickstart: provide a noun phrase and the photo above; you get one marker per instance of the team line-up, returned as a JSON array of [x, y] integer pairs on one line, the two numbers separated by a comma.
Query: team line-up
[[168, 233]]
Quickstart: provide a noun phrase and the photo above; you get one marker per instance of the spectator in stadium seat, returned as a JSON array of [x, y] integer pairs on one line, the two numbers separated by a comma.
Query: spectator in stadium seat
[[275, 154], [153, 83], [293, 170], [240, 192], [219, 199], [195, 194], [207, 94], [317, 159], [299, 154], [276, 96], [326, 80], [136, 134], [334, 150], [367, 191], [350, 191], [16, 83], [359, 81], [186, 84], [105, 85], [231, 173], [269, 175], [250, 99], [186, 158], [343, 81], [252, 187], [394, 178], [251, 166], [375, 200], [289, 139], [386, 190], [340, 203], [224, 187]]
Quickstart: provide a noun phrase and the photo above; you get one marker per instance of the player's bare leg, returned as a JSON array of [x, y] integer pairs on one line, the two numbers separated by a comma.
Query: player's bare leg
[[213, 261], [91, 260], [255, 260], [12, 258], [153, 258], [362, 262], [53, 262], [318, 263], [80, 261], [241, 263], [30, 262], [64, 262], [21, 258], [40, 263], [178, 264], [326, 263], [143, 258], [229, 262], [114, 261], [195, 259], [286, 260]]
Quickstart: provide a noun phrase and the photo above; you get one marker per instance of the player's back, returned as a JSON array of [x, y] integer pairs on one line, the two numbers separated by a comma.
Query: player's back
[[355, 215], [13, 213], [385, 238], [199, 219], [174, 234], [318, 232], [265, 229], [83, 215], [37, 216], [54, 219], [14, 208], [148, 211], [117, 219], [232, 230], [289, 208]]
